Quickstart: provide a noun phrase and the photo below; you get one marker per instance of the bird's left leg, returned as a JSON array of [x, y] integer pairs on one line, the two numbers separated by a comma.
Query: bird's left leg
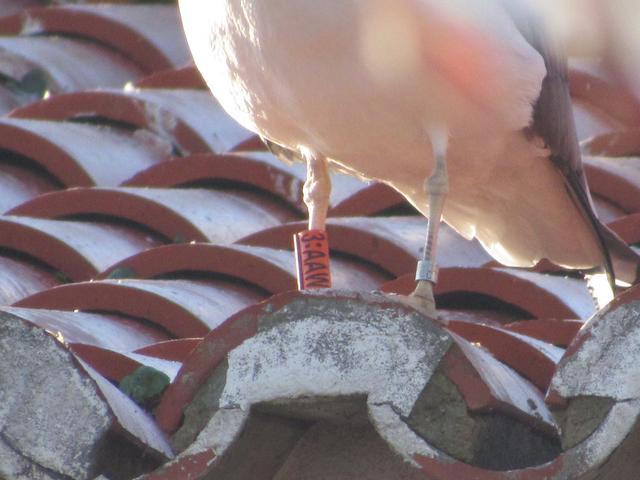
[[312, 246], [436, 187]]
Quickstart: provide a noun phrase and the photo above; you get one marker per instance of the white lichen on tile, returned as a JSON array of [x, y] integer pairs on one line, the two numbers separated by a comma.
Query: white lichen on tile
[[606, 363], [349, 348]]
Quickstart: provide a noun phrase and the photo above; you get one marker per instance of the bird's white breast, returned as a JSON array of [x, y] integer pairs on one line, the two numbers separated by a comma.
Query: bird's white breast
[[360, 82]]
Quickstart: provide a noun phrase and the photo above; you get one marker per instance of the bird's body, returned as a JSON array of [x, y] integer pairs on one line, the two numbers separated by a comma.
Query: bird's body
[[365, 83]]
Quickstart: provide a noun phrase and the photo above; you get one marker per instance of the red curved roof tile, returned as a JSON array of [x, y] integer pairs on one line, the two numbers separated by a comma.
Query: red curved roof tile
[[115, 365], [185, 308], [20, 278], [615, 179], [191, 119], [559, 332], [628, 228], [21, 180], [175, 350], [533, 359], [187, 77], [110, 364], [590, 82], [181, 215], [370, 199], [391, 243], [487, 384], [110, 331], [540, 295], [150, 35], [269, 269], [614, 144], [57, 65], [258, 170], [78, 250], [82, 155]]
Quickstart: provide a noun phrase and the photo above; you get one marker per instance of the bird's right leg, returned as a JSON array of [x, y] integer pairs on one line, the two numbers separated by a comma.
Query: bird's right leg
[[312, 245], [437, 187]]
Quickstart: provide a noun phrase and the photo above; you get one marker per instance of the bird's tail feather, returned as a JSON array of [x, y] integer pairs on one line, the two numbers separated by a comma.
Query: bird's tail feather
[[625, 262]]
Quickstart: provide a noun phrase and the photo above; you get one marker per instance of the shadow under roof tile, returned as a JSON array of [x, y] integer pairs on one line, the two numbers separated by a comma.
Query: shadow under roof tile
[[82, 155], [190, 119], [538, 294], [185, 308], [115, 332], [180, 215], [149, 35], [616, 179], [20, 181], [20, 278], [393, 244], [78, 250], [36, 65], [269, 269]]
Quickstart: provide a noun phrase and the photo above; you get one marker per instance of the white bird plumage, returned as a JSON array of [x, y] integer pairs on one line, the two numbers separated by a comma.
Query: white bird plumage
[[364, 82]]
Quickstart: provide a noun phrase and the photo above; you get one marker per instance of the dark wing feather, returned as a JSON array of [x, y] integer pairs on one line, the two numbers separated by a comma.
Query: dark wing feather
[[553, 122]]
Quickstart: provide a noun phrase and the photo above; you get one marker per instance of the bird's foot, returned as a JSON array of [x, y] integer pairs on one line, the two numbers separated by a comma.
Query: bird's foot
[[423, 300]]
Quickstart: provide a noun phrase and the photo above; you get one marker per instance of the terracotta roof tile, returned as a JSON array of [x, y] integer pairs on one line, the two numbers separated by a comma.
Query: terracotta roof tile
[[150, 35], [180, 215], [114, 365], [21, 180], [185, 77], [184, 308], [190, 119], [35, 65], [76, 249], [391, 243], [158, 161], [536, 294], [82, 155], [112, 331], [615, 179]]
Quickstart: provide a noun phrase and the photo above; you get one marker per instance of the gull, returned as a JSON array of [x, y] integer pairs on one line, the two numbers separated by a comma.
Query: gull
[[463, 99]]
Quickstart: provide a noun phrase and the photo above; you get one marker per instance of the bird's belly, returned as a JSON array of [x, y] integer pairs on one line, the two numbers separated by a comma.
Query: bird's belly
[[306, 82]]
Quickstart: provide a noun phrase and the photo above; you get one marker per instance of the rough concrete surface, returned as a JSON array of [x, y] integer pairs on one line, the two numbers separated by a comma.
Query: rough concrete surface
[[52, 420]]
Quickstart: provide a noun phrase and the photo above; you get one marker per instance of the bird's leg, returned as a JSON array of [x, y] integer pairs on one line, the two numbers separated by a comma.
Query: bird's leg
[[437, 187], [312, 245], [317, 189]]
